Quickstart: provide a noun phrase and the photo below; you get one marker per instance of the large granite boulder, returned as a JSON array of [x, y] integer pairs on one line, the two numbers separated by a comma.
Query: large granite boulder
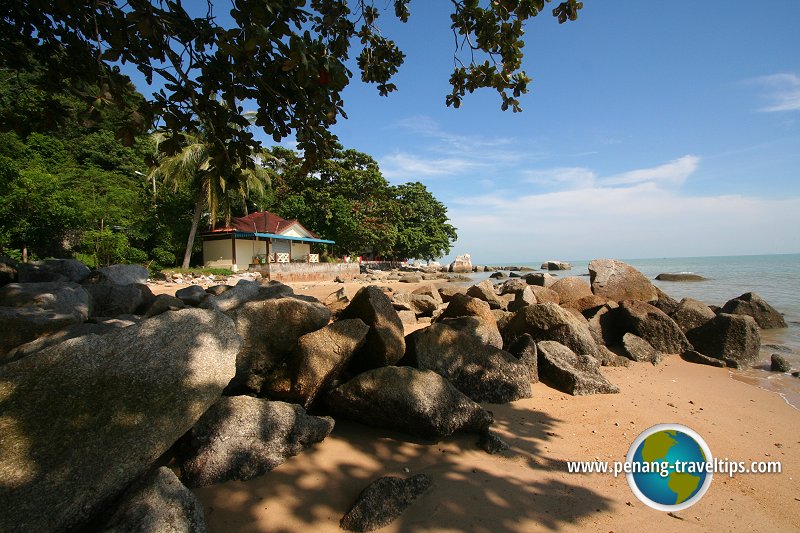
[[463, 305], [70, 270], [665, 302], [8, 270], [545, 295], [571, 290], [550, 322], [419, 304], [524, 349], [317, 361], [640, 350], [20, 325], [692, 314], [270, 330], [157, 503], [69, 332], [124, 274], [418, 402], [449, 291], [482, 372], [114, 300], [163, 303], [228, 300], [575, 374], [486, 331], [59, 297], [513, 286], [735, 339], [485, 291], [233, 297], [753, 305], [619, 281], [522, 298], [241, 437], [462, 264], [192, 295], [82, 419], [429, 290], [385, 344], [654, 326], [541, 279], [607, 325], [383, 501]]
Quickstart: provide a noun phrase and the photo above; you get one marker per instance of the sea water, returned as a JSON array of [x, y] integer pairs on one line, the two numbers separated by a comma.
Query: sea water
[[776, 278]]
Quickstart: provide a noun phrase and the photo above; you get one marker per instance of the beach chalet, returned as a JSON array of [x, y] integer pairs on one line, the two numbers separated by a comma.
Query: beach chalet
[[257, 240]]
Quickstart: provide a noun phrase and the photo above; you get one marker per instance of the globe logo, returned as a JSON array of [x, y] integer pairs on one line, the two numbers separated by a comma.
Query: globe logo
[[669, 467]]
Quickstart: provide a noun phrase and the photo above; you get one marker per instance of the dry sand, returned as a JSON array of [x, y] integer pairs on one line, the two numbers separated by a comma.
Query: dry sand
[[528, 488]]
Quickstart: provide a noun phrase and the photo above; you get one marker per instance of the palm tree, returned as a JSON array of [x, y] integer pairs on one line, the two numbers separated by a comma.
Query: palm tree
[[192, 167]]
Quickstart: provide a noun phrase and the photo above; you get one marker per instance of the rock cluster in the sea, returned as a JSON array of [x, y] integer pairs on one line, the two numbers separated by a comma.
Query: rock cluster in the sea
[[101, 381]]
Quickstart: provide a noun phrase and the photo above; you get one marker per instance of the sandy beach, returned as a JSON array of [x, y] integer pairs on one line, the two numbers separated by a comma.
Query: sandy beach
[[528, 488]]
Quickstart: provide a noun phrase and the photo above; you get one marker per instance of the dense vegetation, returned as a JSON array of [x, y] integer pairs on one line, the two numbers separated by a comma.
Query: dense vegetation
[[347, 199], [70, 188], [287, 59], [67, 187]]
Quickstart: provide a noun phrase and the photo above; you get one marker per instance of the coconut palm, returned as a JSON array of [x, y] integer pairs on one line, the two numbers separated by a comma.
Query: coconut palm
[[218, 194]]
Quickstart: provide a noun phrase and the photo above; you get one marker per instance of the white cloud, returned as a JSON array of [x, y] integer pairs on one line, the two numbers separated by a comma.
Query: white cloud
[[641, 220], [441, 153], [407, 167], [783, 92], [569, 177], [673, 173]]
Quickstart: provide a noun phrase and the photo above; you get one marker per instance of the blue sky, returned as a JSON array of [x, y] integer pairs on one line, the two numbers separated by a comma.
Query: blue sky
[[652, 129]]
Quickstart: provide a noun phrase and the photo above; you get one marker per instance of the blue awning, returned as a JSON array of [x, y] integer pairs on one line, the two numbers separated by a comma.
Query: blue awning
[[243, 234]]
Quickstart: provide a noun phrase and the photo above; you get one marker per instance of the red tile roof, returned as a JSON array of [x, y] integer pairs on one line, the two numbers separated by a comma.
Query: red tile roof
[[263, 222]]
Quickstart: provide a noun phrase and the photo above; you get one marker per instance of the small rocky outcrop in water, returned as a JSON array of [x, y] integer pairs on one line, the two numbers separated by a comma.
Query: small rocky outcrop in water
[[461, 265], [383, 501], [556, 265], [241, 437], [680, 276], [418, 402], [779, 363], [755, 306]]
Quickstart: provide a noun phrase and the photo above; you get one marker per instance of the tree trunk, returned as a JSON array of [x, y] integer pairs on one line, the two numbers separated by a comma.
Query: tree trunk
[[24, 253], [198, 211]]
